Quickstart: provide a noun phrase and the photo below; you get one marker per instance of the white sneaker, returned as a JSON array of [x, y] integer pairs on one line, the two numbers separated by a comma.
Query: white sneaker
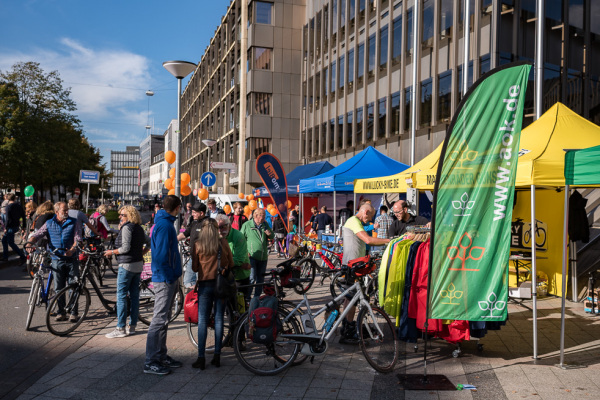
[[117, 333], [130, 330]]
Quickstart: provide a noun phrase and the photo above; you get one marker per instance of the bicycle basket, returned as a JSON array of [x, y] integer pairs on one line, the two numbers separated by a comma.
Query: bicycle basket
[[365, 269], [293, 248]]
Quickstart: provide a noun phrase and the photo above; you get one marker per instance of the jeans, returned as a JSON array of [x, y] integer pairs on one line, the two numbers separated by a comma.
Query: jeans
[[320, 233], [65, 270], [206, 300], [9, 240], [257, 274], [128, 282], [189, 276], [156, 341]]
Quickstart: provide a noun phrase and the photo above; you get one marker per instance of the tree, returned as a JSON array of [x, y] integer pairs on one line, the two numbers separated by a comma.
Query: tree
[[41, 140]]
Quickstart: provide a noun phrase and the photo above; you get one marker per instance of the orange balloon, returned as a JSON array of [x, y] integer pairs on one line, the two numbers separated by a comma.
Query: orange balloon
[[289, 204], [241, 195], [252, 204], [170, 157], [172, 192], [203, 194], [172, 173], [250, 197], [186, 190], [227, 209], [273, 211], [185, 178], [169, 184], [247, 210]]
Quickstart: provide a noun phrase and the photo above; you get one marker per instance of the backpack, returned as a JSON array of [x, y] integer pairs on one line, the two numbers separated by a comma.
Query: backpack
[[262, 320], [95, 222]]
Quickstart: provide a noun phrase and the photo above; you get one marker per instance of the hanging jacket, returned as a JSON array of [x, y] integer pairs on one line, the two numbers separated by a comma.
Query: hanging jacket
[[166, 261], [407, 327], [257, 239], [579, 227]]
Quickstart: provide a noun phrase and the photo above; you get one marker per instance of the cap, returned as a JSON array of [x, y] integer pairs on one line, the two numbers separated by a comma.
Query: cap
[[199, 207]]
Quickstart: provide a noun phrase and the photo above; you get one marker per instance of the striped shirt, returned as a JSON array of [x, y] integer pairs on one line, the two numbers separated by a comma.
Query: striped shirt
[[384, 221]]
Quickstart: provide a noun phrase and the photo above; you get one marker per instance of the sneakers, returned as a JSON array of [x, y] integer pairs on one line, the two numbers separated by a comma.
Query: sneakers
[[156, 369], [74, 318], [60, 317], [130, 330], [170, 363], [349, 333], [117, 333]]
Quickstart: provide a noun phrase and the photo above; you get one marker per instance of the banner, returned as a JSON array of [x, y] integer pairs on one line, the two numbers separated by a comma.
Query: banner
[[474, 200], [271, 173]]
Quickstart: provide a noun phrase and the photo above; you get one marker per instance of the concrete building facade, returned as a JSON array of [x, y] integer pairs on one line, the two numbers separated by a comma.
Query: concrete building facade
[[125, 169], [150, 147]]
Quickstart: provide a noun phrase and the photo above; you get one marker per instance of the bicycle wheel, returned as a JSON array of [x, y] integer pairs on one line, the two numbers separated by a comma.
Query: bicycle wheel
[[269, 359], [18, 237], [33, 264], [210, 331], [308, 270], [147, 304], [95, 271], [71, 300], [32, 301], [337, 284], [381, 351]]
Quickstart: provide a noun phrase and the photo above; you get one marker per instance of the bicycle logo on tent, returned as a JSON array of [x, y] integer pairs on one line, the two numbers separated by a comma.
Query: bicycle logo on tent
[[465, 155], [450, 294], [460, 252], [492, 304], [463, 205]]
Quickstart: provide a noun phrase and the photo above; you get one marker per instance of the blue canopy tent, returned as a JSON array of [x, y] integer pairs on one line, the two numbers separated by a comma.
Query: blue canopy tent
[[369, 163], [298, 173]]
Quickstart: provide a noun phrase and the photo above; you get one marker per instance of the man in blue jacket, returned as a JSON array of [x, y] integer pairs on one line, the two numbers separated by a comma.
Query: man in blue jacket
[[166, 270]]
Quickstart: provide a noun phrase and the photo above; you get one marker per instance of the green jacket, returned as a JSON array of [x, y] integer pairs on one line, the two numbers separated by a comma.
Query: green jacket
[[237, 244], [257, 240]]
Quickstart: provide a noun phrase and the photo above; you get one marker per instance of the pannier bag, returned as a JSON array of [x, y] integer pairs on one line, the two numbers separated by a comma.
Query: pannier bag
[[288, 272], [190, 307], [262, 320]]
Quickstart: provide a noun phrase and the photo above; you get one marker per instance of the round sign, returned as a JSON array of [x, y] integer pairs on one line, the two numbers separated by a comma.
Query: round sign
[[77, 191], [195, 192]]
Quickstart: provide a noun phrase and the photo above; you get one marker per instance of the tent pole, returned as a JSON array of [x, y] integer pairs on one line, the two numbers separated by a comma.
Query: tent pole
[[564, 277], [533, 273], [573, 266], [354, 204], [301, 213]]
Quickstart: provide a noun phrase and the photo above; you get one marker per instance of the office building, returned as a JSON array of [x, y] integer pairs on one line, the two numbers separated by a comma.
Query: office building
[[125, 169], [151, 146]]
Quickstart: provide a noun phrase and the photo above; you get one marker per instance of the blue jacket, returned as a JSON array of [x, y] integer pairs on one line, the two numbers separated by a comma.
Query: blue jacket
[[61, 236], [166, 261]]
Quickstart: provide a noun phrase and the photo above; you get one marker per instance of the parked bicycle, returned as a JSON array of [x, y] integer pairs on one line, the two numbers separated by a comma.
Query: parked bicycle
[[41, 292]]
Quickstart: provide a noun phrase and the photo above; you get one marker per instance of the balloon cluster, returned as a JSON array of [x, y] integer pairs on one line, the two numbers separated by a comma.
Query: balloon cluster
[[185, 178]]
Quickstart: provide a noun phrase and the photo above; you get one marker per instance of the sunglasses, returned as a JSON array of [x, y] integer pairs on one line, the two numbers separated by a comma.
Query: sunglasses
[[122, 215]]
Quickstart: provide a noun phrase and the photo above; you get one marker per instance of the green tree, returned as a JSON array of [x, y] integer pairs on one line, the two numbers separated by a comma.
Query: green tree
[[41, 140]]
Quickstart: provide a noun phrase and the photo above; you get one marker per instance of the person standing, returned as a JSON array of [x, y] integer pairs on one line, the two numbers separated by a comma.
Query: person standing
[[257, 234], [312, 222], [238, 218], [191, 232], [239, 249], [404, 219], [130, 246], [208, 253], [322, 220], [101, 223], [166, 270], [213, 210], [3, 209], [75, 212], [382, 225], [187, 217], [15, 216]]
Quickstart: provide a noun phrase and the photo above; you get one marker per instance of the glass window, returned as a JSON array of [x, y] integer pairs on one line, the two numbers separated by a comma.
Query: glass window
[[370, 120], [397, 40], [309, 148], [446, 10], [262, 58], [359, 126], [395, 113], [351, 66], [343, 13], [333, 70], [409, 31], [349, 129], [361, 62], [262, 103], [444, 93], [340, 135], [352, 10], [371, 54], [326, 77], [426, 101], [485, 64], [382, 114], [407, 107], [334, 17], [331, 134], [264, 12], [383, 47], [427, 22], [341, 75], [460, 79], [361, 5]]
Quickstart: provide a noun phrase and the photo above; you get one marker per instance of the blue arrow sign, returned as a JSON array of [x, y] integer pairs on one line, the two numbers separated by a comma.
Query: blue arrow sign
[[208, 179]]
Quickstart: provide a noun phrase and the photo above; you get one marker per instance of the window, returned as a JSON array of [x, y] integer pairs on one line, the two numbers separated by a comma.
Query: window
[[447, 16], [427, 24], [350, 67], [340, 135], [485, 65], [352, 10], [309, 147], [407, 107], [262, 58], [383, 47], [426, 101], [264, 12], [460, 79], [343, 13], [334, 17], [341, 74], [361, 62], [359, 126], [396, 40], [370, 120], [331, 134], [333, 70], [409, 32], [261, 145], [371, 54], [444, 93], [395, 113], [361, 6], [349, 129], [262, 103], [326, 77], [382, 115]]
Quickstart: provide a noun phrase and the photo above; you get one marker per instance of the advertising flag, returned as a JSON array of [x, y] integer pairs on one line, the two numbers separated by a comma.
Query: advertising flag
[[271, 173], [474, 199]]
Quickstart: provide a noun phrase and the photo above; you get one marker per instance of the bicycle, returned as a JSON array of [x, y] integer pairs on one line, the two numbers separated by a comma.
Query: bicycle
[[98, 264], [367, 277], [40, 293], [147, 296], [108, 260], [377, 334], [74, 299]]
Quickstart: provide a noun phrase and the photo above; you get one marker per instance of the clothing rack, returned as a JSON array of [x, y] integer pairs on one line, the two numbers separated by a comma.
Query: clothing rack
[[418, 229]]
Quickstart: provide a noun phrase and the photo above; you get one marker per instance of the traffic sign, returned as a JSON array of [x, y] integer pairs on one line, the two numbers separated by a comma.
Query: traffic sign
[[223, 165], [208, 179], [195, 192], [77, 191], [89, 177]]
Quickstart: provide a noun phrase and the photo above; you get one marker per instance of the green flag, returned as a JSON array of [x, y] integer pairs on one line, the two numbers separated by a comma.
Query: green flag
[[474, 199]]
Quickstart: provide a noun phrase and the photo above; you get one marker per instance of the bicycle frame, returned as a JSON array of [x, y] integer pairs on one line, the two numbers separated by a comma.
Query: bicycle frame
[[108, 304]]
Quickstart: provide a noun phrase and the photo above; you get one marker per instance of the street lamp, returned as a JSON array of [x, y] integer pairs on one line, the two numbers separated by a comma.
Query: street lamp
[[179, 69], [208, 143]]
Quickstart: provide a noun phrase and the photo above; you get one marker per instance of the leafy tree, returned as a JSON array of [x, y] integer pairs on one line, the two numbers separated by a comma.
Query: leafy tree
[[41, 140]]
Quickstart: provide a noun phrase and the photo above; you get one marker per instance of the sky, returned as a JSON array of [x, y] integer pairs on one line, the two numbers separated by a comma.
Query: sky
[[110, 53]]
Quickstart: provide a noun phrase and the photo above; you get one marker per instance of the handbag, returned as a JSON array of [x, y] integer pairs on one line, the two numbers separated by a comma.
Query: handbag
[[190, 307], [225, 286]]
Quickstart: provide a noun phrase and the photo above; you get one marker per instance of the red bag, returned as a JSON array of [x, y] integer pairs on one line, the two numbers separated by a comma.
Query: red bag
[[190, 307]]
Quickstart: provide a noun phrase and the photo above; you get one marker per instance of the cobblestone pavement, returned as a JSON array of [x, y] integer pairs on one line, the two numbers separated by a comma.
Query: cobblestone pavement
[[112, 368]]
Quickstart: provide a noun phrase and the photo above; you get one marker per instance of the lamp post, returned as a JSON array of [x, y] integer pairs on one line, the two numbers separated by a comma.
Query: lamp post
[[179, 69], [208, 143]]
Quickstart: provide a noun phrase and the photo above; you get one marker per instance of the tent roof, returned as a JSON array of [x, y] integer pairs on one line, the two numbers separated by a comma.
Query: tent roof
[[544, 142], [420, 173], [301, 172], [581, 167], [366, 164]]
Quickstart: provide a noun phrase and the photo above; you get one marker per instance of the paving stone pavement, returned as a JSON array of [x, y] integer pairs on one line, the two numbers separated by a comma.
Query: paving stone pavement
[[112, 368]]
